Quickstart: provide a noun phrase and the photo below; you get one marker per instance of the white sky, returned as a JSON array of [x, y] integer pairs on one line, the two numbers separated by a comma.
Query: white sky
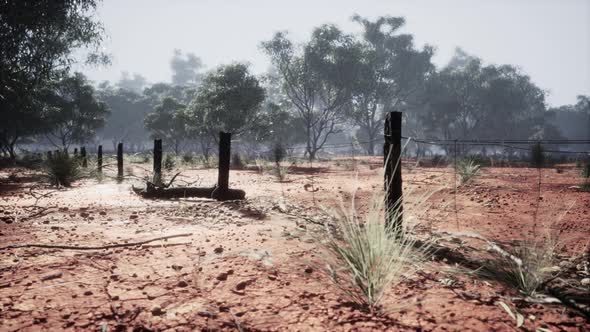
[[548, 39]]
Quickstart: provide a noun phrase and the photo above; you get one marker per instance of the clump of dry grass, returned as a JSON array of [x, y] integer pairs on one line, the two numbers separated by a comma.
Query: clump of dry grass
[[527, 265], [467, 169], [365, 256]]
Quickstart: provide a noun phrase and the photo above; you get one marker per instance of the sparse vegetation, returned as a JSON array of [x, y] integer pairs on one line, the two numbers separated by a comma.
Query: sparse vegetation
[[236, 161], [467, 169], [527, 265], [169, 162], [366, 257], [61, 169]]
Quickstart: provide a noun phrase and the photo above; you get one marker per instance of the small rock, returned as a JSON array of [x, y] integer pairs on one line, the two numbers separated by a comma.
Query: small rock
[[157, 311], [102, 213], [88, 293], [585, 282], [222, 276], [308, 269], [51, 275], [84, 215], [218, 250], [133, 216], [182, 283], [176, 267]]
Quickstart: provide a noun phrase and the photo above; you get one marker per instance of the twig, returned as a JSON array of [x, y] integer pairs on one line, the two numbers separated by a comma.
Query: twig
[[110, 246]]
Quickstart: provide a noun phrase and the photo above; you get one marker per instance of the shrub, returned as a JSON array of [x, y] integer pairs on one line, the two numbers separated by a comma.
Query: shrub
[[365, 257], [236, 161], [467, 169], [188, 158], [526, 266], [278, 153], [61, 170], [537, 155], [169, 162], [281, 172]]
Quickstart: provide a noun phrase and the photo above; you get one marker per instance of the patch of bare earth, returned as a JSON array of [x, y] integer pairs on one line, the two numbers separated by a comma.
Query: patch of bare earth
[[254, 266]]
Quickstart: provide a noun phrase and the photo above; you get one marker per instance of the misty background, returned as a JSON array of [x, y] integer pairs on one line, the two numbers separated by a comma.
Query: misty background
[[549, 40]]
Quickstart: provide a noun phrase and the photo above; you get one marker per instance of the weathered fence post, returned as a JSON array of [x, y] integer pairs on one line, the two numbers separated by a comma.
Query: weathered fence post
[[224, 161], [157, 161], [83, 156], [120, 161], [99, 159], [75, 152], [393, 170]]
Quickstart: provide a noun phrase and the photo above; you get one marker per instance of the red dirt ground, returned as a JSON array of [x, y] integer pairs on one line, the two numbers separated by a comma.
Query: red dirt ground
[[255, 266]]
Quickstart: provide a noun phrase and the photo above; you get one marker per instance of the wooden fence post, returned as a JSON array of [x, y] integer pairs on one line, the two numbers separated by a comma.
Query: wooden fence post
[[393, 170], [157, 161], [75, 152], [120, 161], [99, 159], [83, 156], [224, 161]]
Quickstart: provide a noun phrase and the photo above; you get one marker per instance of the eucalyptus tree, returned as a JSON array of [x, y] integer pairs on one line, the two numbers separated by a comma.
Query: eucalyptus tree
[[72, 113], [391, 73], [229, 100], [38, 40], [318, 78], [168, 122]]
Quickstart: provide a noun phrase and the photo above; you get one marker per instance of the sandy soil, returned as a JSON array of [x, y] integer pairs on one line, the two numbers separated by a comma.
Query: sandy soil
[[255, 266]]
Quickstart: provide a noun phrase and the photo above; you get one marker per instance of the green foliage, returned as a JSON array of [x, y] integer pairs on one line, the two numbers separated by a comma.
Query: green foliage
[[62, 170], [73, 114], [537, 155], [468, 100], [40, 40], [467, 168], [228, 100], [168, 122], [391, 72], [318, 79]]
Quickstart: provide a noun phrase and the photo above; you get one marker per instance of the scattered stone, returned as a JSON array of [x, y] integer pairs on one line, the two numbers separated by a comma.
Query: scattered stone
[[222, 276], [176, 267], [51, 275], [133, 216], [182, 283], [88, 293], [84, 215], [585, 282], [308, 269], [102, 213], [157, 311], [218, 250]]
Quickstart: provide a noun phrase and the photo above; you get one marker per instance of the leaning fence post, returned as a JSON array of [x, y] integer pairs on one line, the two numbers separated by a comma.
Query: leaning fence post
[[120, 161], [99, 159], [83, 156], [224, 160], [157, 161], [393, 171]]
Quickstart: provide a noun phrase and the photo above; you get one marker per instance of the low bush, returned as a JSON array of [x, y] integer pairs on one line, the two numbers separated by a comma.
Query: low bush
[[467, 169], [62, 170]]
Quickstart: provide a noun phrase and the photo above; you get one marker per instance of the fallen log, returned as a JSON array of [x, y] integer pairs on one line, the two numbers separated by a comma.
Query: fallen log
[[183, 192]]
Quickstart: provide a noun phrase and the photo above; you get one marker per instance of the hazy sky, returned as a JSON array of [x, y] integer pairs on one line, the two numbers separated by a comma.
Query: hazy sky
[[548, 39]]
